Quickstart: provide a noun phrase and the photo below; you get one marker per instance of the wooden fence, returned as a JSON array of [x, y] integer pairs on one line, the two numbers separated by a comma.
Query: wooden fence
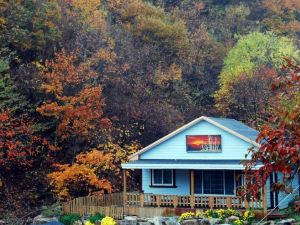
[[191, 201], [109, 205], [153, 205]]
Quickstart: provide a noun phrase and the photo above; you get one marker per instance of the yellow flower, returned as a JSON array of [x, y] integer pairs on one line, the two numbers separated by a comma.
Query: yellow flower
[[186, 215], [108, 221], [88, 223]]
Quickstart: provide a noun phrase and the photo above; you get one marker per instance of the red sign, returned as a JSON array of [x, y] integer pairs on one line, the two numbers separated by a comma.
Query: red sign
[[203, 143]]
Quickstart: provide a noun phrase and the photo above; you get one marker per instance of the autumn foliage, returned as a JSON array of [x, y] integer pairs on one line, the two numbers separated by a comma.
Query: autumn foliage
[[74, 100], [19, 146], [84, 177], [280, 137]]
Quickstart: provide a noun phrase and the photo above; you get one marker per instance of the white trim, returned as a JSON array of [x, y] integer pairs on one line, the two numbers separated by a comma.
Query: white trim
[[135, 156], [162, 178], [186, 166]]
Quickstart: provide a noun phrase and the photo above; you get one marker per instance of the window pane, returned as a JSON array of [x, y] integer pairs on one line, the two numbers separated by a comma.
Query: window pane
[[213, 182], [157, 176], [229, 182], [198, 181], [167, 174]]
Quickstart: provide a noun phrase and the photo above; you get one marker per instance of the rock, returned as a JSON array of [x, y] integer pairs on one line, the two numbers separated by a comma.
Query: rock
[[78, 222], [52, 223], [127, 222], [2, 222], [271, 222], [172, 221], [231, 219], [40, 219], [98, 222], [145, 223], [130, 218], [191, 222], [214, 221], [204, 222], [286, 222]]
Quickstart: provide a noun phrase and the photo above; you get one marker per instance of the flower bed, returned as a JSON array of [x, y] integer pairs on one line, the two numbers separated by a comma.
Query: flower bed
[[227, 216]]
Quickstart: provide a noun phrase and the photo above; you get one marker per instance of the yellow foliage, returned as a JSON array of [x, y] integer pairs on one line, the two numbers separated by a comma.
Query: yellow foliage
[[91, 12], [173, 73], [108, 221]]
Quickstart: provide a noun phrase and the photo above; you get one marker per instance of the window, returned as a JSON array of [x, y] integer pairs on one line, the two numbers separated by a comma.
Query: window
[[216, 182], [162, 178]]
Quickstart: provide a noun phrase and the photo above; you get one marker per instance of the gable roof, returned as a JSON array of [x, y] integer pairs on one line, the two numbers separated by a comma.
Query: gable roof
[[232, 126]]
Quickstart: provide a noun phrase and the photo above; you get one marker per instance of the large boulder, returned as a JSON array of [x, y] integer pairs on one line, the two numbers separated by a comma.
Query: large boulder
[[204, 222], [78, 222], [172, 221], [231, 219], [214, 221], [52, 223], [128, 220], [191, 222], [40, 219]]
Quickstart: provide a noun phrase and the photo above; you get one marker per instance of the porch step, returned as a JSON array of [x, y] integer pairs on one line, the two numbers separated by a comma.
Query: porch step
[[276, 214]]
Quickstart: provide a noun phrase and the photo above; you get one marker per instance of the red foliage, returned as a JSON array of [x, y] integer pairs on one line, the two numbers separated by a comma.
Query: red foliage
[[280, 137], [18, 144]]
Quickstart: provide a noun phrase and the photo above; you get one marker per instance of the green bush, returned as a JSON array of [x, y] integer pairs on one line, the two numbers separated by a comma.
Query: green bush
[[69, 219], [96, 217], [53, 210]]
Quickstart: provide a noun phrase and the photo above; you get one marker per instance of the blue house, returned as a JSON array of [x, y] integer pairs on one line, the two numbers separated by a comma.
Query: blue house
[[199, 165]]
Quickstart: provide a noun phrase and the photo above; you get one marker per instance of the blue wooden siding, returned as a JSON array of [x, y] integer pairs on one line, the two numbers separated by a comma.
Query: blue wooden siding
[[182, 183], [175, 147], [283, 203]]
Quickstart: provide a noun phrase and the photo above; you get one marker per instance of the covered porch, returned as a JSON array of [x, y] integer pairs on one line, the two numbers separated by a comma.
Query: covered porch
[[190, 184]]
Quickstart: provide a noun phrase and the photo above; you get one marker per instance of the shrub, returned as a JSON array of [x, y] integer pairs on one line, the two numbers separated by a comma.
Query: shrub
[[238, 222], [248, 215], [211, 213], [231, 212], [69, 219], [108, 221], [187, 215], [96, 217], [88, 223], [53, 210]]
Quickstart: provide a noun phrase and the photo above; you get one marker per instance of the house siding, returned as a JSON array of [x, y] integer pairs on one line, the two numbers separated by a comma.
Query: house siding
[[175, 147], [284, 202]]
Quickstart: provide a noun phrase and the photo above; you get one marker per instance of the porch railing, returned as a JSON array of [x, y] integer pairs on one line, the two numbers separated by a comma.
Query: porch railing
[[190, 201]]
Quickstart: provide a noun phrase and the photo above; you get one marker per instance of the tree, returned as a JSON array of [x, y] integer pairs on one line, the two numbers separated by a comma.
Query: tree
[[281, 17], [280, 137], [73, 98], [250, 53], [22, 156], [84, 177]]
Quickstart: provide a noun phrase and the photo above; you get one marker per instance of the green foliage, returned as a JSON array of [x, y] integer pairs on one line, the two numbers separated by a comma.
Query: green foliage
[[29, 27], [254, 50], [69, 219], [96, 217]]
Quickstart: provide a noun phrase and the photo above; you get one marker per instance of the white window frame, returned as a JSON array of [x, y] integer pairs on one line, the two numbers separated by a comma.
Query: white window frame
[[162, 184]]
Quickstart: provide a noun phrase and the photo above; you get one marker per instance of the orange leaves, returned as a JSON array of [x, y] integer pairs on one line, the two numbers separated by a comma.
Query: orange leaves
[[82, 177], [73, 98]]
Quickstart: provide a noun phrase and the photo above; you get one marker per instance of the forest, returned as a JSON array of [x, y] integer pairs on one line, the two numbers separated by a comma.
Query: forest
[[84, 84]]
